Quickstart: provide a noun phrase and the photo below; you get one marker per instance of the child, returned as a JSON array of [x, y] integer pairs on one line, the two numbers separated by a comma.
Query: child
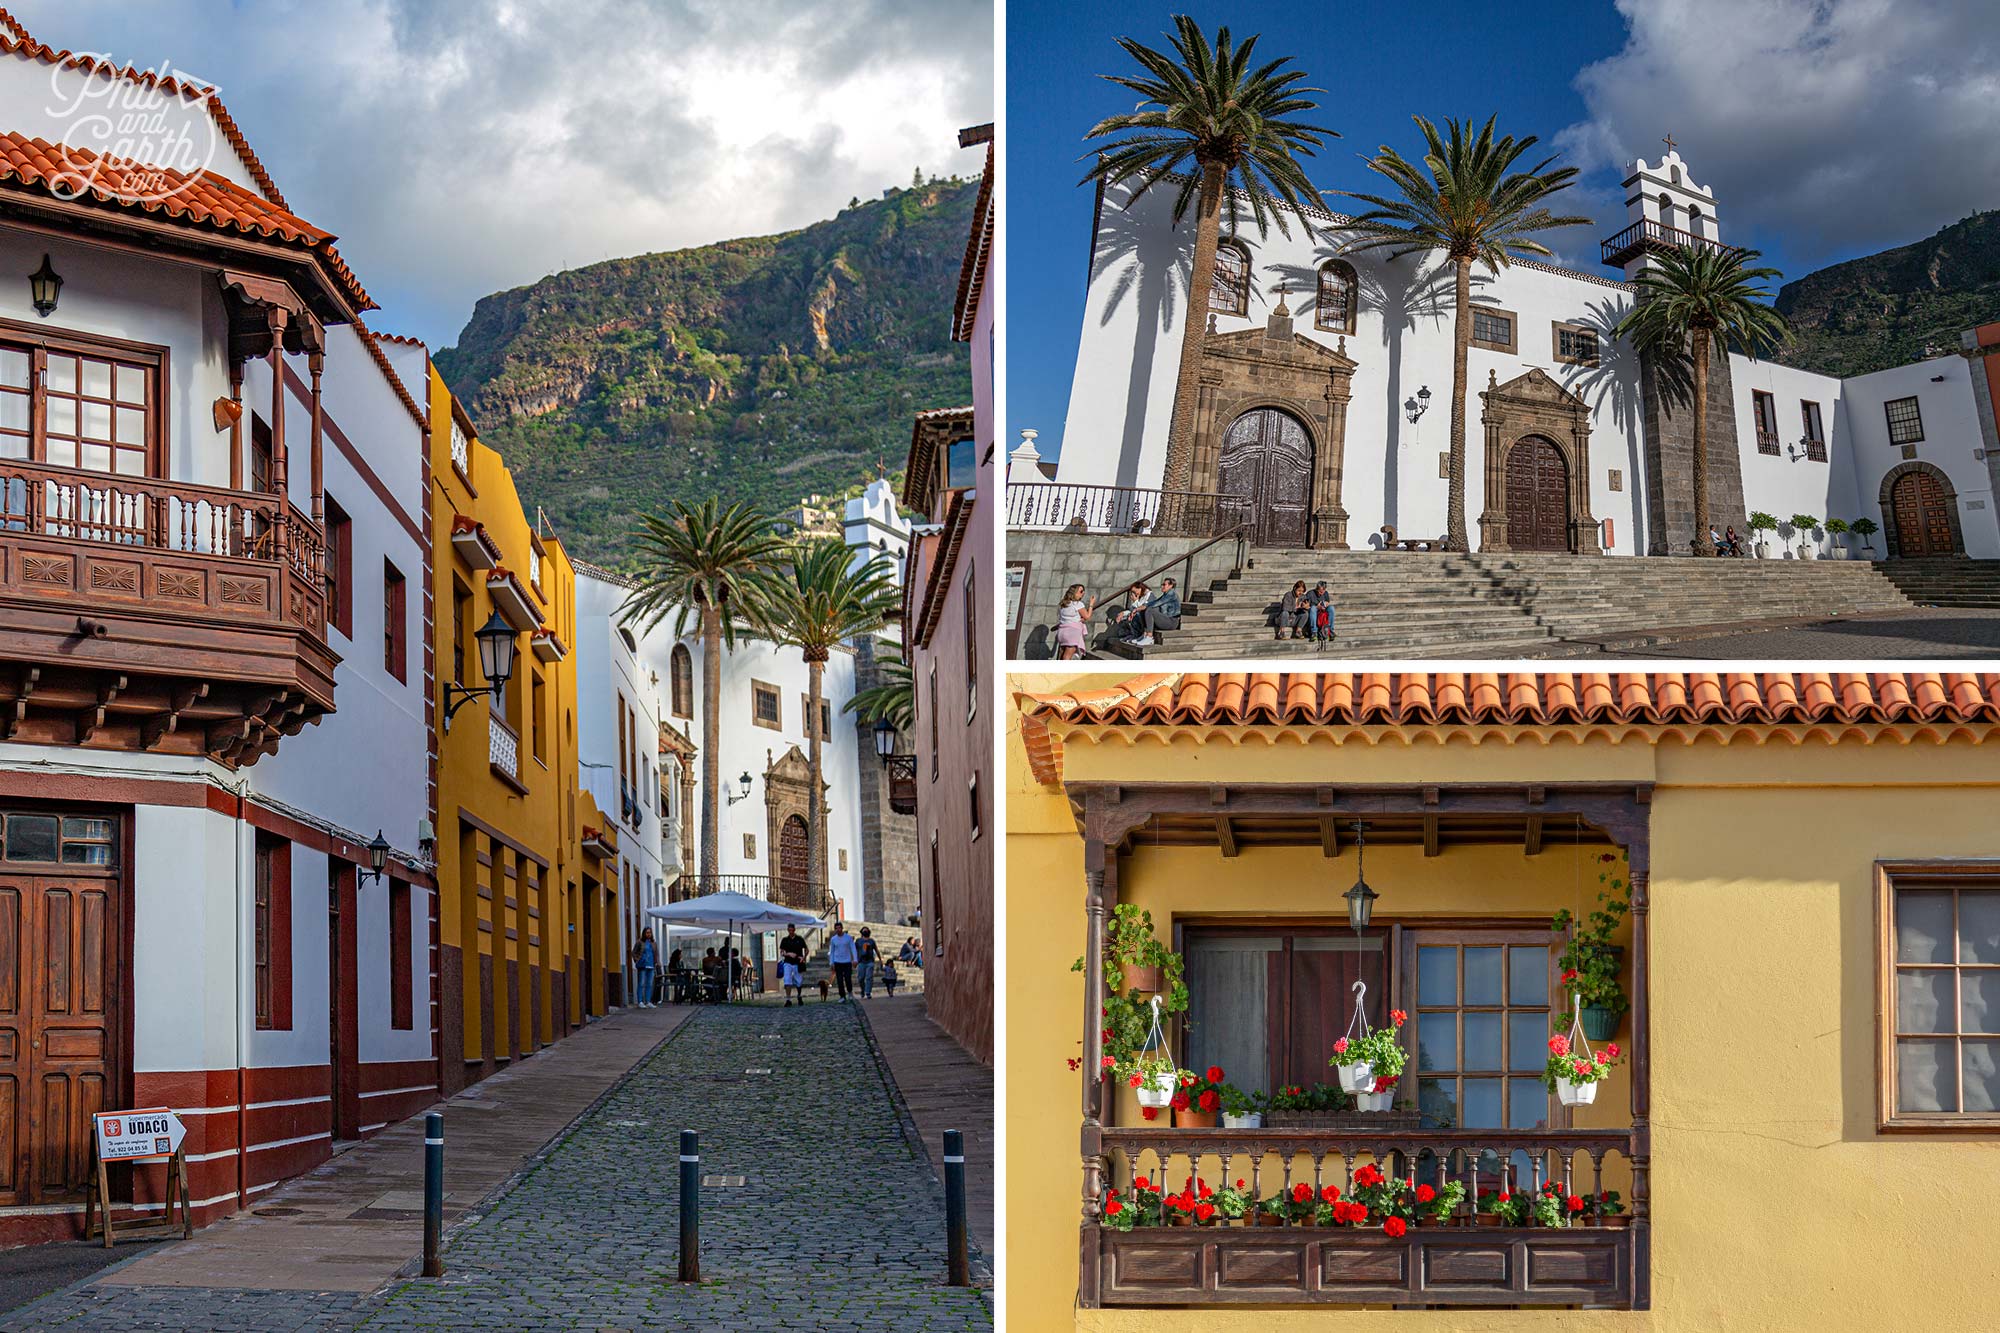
[[889, 978], [1072, 621]]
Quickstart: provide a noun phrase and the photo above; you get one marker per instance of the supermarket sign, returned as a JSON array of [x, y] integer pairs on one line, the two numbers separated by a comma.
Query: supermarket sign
[[133, 1136]]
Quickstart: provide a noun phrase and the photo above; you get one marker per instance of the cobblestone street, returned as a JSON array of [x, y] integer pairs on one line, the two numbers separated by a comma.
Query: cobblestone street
[[838, 1223]]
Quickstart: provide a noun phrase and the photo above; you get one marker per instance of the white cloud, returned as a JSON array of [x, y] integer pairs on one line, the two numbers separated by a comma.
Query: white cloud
[[1844, 126], [459, 147]]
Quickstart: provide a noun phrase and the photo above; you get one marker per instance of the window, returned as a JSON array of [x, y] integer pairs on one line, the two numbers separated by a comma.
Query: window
[[825, 716], [934, 721], [766, 706], [1493, 329], [1229, 288], [461, 451], [1766, 409], [395, 610], [274, 932], [401, 1002], [961, 464], [1334, 310], [1815, 435], [1906, 420], [1268, 1004], [339, 568], [680, 680], [937, 899], [972, 790], [1481, 1026], [971, 640], [461, 617], [536, 707], [1575, 345], [72, 403], [1938, 966]]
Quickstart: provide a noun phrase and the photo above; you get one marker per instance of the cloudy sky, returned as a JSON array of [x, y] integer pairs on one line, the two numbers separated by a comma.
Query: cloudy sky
[[460, 147]]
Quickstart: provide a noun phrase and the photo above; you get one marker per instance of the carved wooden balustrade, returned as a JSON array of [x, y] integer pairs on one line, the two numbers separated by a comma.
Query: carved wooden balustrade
[[1459, 1261]]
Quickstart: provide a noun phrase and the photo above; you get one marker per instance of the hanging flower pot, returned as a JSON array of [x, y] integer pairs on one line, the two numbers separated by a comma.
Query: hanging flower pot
[[1375, 1101], [1358, 1077], [1157, 1089], [1573, 1070], [1142, 977], [1599, 1023], [1575, 1094]]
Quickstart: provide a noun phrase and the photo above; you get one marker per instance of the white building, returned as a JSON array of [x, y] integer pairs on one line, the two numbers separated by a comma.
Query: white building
[[1317, 421]]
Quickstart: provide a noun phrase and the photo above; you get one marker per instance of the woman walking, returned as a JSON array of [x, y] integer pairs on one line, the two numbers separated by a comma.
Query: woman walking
[[646, 962], [1071, 619]]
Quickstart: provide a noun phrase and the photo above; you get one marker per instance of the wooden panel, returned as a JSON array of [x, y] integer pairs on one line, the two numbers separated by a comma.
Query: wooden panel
[[57, 959], [1350, 1263], [68, 1043], [13, 1048], [1559, 1265], [1489, 1266], [1138, 1266], [92, 964], [1265, 1267], [69, 1057]]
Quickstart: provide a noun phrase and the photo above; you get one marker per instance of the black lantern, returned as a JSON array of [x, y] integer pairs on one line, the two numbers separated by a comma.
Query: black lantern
[[885, 738], [378, 857], [45, 286], [744, 783], [1360, 898], [497, 644]]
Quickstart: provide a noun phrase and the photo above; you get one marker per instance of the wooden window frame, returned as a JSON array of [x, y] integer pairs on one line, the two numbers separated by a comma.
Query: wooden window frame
[[339, 568], [937, 899], [970, 588], [1889, 876], [1513, 344], [538, 703], [825, 716], [934, 719], [154, 359], [762, 689], [1813, 423], [1322, 317], [402, 1008], [1556, 331], [272, 913], [1916, 415], [972, 791], [750, 847], [1240, 304], [1463, 935], [1764, 421], [461, 618], [395, 622]]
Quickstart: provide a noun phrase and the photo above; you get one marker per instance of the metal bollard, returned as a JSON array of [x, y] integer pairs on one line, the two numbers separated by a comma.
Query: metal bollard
[[958, 1270], [690, 1206], [434, 1194]]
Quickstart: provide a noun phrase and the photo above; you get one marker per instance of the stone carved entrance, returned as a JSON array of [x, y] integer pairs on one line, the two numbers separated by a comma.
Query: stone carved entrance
[[1532, 409], [794, 882], [1920, 512], [1295, 379], [1265, 475]]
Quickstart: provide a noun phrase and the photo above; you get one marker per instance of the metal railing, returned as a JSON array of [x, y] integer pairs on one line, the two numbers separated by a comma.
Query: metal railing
[[1119, 510], [1648, 233], [1185, 560], [804, 894], [503, 748]]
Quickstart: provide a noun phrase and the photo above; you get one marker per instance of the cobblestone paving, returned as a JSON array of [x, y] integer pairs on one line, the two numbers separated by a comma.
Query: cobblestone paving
[[1933, 633], [838, 1226]]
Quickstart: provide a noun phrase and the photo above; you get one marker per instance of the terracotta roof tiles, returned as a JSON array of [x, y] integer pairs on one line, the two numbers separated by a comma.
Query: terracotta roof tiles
[[1660, 698]]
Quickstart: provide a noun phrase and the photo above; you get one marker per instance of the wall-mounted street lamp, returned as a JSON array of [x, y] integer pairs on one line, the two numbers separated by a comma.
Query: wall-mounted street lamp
[[743, 783], [45, 287], [1360, 898], [1418, 405], [902, 768], [378, 859], [496, 659]]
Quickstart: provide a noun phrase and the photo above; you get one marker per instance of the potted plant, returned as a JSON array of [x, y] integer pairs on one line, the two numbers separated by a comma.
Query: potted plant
[[1233, 1203], [1381, 1097], [1802, 528], [1365, 1060], [1138, 1207], [1437, 1206], [1591, 963], [1836, 531], [1502, 1208], [1137, 963], [1605, 1209], [1761, 523], [1553, 1208], [1152, 1075], [1864, 528], [1240, 1109], [1573, 1075], [1382, 1198], [1197, 1102]]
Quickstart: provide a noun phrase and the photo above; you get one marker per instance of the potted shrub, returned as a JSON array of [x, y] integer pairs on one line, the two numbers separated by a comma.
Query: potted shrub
[[1802, 528], [1381, 1198], [1233, 1203], [1836, 532], [1139, 1206], [1240, 1109], [1197, 1102], [1136, 962], [1573, 1075], [1366, 1059], [1381, 1097], [1437, 1206], [1761, 523], [1553, 1208], [1591, 963], [1502, 1208], [1864, 528], [1605, 1209]]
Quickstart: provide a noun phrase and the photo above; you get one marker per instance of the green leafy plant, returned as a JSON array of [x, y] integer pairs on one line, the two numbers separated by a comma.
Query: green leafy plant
[[1233, 1202], [1235, 1101], [1762, 522], [1319, 1097], [1864, 528], [1556, 1208], [1510, 1208], [1803, 523], [1605, 1203], [1577, 1066], [1380, 1049], [1442, 1201], [1128, 1014], [1138, 1206], [1590, 967], [1836, 527]]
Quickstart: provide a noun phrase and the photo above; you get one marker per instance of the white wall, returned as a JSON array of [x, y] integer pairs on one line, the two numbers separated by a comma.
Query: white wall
[[1787, 483], [1944, 388]]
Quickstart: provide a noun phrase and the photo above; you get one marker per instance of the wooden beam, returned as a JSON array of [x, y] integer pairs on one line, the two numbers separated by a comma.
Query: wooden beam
[[1329, 836], [1533, 841], [1225, 835], [1431, 847]]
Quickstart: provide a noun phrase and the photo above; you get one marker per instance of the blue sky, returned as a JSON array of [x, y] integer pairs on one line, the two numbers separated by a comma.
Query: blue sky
[[1828, 128]]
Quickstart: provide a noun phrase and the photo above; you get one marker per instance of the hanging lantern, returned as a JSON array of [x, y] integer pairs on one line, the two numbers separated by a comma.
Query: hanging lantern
[[1360, 898]]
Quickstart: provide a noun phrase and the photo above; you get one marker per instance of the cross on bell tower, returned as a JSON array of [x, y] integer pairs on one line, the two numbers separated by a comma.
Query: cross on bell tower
[[1669, 141]]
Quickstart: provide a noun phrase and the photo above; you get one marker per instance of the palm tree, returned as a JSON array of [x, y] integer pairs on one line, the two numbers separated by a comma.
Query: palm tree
[[709, 562], [818, 601], [1694, 301], [895, 697], [1466, 199], [1207, 107]]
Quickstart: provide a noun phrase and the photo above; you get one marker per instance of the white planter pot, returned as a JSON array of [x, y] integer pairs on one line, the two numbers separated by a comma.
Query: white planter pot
[[1808, 551], [1357, 1077], [1159, 1089], [1575, 1094], [1253, 1120], [1762, 549], [1374, 1101]]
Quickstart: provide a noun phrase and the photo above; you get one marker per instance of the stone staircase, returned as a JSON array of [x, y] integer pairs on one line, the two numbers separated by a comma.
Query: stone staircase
[[1973, 584], [1438, 605], [889, 937]]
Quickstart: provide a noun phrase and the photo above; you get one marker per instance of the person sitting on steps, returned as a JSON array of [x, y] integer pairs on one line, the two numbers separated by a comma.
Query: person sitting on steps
[[1162, 612], [1294, 612], [1320, 602]]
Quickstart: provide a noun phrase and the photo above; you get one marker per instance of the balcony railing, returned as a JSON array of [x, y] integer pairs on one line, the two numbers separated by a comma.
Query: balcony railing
[[1466, 1258], [804, 894], [1063, 507], [503, 750], [1649, 234]]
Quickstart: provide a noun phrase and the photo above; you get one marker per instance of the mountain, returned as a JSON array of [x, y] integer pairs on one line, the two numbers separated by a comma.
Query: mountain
[[761, 370], [1882, 311]]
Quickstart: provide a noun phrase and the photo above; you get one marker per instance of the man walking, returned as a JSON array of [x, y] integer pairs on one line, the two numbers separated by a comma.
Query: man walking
[[840, 951], [792, 966], [870, 954]]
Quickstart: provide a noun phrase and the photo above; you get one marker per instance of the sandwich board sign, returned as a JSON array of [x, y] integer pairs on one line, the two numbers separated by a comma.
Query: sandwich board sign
[[148, 1134]]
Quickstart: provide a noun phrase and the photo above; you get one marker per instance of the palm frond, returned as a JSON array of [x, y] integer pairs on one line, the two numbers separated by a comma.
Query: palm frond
[[702, 556]]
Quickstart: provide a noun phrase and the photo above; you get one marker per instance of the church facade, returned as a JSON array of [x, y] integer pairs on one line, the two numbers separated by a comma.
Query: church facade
[[1318, 422]]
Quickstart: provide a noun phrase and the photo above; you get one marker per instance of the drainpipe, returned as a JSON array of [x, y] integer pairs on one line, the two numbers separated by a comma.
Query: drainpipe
[[242, 1113]]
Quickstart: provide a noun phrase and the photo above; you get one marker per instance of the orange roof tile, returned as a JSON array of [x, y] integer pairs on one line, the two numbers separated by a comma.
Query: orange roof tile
[[1386, 698], [373, 341], [979, 245], [204, 200]]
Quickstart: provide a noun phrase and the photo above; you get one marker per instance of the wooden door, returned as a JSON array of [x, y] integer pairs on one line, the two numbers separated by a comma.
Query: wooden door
[[1537, 496], [1265, 476], [1923, 516], [794, 871]]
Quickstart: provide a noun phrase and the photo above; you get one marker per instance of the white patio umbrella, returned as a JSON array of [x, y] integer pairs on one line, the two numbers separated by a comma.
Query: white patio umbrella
[[729, 910]]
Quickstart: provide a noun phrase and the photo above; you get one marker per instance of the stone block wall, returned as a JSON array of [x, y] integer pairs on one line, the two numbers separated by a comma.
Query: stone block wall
[[1104, 563]]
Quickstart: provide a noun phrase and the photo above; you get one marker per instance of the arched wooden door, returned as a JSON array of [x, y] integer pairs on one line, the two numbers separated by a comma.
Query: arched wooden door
[[794, 868], [1537, 496], [1265, 476], [1923, 515]]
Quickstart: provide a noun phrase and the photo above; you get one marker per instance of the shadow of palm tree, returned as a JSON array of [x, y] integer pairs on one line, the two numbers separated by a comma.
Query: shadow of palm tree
[[1616, 379], [1152, 263]]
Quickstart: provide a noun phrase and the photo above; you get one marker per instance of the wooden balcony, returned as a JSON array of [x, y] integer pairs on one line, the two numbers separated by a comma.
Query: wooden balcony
[[142, 614]]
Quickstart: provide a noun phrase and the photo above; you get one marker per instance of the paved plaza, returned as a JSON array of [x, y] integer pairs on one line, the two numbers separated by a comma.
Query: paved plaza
[[837, 1222], [1926, 634]]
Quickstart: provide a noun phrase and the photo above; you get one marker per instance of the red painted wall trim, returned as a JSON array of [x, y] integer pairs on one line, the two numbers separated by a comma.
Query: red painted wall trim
[[271, 821]]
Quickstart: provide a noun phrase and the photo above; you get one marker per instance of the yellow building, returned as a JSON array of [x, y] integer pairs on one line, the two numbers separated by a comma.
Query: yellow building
[[518, 895], [1800, 1119]]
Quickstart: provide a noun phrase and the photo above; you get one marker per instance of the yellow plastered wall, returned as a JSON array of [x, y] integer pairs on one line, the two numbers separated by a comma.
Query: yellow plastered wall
[[1775, 1203], [507, 853]]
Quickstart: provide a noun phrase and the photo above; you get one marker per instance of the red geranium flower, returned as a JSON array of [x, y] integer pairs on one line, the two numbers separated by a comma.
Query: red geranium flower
[[1575, 1204], [1076, 1064], [1135, 1080], [1239, 1184], [1204, 1211], [1301, 1192], [1611, 1051], [1113, 1208], [1330, 1193], [1149, 1113], [1425, 1194], [1569, 975], [1108, 1062], [1394, 1226], [1397, 1017], [1209, 1100], [1141, 1183], [1180, 1101], [1505, 1196], [1205, 1190], [1215, 1073]]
